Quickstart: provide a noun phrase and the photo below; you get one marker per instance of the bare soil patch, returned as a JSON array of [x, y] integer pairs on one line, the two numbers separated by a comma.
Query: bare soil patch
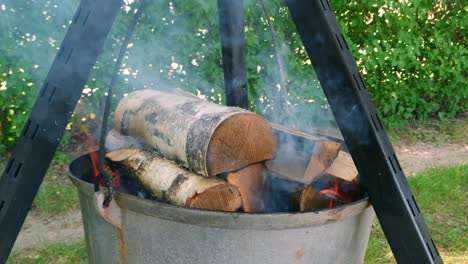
[[39, 230], [418, 157]]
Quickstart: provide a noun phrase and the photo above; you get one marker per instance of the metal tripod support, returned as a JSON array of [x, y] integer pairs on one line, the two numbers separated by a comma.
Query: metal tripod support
[[50, 115], [379, 170]]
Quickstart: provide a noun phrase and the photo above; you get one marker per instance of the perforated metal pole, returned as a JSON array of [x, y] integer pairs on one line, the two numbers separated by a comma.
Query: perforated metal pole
[[364, 134], [50, 115]]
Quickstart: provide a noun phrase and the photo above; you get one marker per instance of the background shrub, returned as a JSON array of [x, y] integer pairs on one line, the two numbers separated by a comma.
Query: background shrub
[[412, 55]]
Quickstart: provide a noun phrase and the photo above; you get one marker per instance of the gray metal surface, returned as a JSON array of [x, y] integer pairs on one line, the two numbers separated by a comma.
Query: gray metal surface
[[154, 232], [102, 240]]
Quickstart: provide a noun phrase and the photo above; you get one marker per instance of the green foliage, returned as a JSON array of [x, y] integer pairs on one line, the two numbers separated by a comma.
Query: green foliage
[[412, 55], [27, 47], [441, 196], [16, 98]]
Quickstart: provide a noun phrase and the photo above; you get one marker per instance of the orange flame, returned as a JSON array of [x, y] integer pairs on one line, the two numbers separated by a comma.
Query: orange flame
[[340, 192], [94, 162], [114, 174], [84, 132]]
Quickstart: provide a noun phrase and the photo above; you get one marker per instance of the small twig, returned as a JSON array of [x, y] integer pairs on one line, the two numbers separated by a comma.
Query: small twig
[[278, 58]]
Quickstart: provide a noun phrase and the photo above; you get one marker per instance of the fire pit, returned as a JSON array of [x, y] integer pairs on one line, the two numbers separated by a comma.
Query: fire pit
[[138, 230]]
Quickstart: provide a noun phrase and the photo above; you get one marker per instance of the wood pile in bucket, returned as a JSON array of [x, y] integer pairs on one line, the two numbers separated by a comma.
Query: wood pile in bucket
[[189, 152]]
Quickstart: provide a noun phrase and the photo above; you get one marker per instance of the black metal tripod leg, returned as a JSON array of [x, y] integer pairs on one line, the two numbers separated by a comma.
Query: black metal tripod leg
[[363, 132], [50, 115], [231, 23]]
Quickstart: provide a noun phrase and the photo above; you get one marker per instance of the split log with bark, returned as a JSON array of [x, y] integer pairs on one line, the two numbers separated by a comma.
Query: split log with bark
[[343, 167], [301, 157], [207, 138], [169, 182]]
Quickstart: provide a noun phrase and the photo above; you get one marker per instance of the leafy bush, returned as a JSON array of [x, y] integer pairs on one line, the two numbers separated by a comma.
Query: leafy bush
[[412, 55], [16, 98]]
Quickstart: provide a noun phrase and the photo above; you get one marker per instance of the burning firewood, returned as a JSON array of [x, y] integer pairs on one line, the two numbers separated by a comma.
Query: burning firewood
[[207, 138], [280, 193], [249, 181], [310, 199], [327, 191], [324, 153], [343, 167], [301, 157], [169, 182]]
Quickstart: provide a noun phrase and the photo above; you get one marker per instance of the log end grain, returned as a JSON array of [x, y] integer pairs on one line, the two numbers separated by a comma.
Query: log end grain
[[325, 152], [223, 197], [343, 167], [311, 200], [249, 182], [240, 140]]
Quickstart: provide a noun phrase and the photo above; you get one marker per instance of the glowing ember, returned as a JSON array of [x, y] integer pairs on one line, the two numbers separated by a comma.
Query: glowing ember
[[341, 192]]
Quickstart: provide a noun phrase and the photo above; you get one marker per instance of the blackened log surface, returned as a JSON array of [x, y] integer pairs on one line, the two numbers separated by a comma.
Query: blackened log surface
[[175, 186]]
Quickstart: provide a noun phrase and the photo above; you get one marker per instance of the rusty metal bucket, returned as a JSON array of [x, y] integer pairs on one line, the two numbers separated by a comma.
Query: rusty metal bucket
[[135, 230]]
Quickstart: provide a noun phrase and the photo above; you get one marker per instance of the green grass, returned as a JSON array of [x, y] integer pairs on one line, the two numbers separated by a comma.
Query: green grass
[[64, 253], [442, 197], [432, 131], [56, 198], [56, 194]]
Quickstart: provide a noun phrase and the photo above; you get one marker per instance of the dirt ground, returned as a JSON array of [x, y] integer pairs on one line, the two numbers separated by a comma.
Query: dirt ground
[[416, 158], [39, 230]]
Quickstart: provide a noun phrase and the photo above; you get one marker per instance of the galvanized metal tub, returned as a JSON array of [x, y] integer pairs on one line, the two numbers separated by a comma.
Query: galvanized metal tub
[[135, 230]]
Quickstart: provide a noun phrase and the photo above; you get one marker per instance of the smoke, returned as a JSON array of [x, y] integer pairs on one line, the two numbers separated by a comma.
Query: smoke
[[31, 32], [176, 44]]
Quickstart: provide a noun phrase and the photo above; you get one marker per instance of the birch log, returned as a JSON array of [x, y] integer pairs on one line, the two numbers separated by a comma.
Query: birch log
[[173, 184], [207, 138]]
